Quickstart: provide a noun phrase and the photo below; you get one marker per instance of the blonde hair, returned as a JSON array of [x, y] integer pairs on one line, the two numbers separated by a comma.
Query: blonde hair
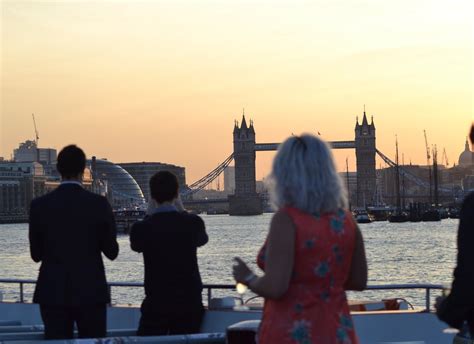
[[304, 176]]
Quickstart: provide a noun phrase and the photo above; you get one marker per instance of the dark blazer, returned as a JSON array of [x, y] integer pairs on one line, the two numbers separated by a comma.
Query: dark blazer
[[459, 305], [69, 228], [169, 242]]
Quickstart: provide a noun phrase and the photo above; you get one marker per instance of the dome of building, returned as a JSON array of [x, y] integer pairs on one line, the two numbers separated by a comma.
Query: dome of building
[[465, 159], [121, 185]]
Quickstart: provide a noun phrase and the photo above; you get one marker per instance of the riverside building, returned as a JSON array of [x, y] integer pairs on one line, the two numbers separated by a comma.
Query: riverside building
[[142, 172], [122, 189], [20, 183]]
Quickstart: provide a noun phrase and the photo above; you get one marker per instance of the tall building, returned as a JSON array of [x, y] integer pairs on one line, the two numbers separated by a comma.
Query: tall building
[[466, 158], [229, 179], [245, 201], [365, 154], [20, 183], [28, 151], [143, 171]]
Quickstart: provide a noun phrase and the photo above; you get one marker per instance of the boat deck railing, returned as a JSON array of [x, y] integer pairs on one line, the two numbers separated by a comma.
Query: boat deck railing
[[211, 287]]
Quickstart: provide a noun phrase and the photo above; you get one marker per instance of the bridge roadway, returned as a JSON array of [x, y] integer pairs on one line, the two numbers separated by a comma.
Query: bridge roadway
[[205, 201], [262, 147]]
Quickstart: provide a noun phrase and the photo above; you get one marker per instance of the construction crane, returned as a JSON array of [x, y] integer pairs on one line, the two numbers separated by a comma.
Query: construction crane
[[445, 157], [428, 158], [36, 130]]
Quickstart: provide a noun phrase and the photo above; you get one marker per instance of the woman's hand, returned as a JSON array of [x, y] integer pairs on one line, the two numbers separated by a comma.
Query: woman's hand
[[240, 270]]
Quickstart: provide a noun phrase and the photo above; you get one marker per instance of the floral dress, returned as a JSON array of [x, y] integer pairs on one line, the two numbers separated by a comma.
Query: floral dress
[[314, 309]]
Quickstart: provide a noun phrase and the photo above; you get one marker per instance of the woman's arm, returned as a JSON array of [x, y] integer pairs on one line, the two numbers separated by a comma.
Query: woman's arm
[[279, 260], [357, 279]]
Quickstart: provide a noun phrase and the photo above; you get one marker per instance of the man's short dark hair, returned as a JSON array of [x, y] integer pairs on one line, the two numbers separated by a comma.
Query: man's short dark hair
[[71, 161], [164, 186]]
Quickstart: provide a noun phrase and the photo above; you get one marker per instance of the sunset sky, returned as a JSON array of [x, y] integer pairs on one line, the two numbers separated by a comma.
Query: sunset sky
[[165, 80]]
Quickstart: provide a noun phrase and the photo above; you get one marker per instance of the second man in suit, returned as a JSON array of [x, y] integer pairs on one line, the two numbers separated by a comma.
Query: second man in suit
[[169, 239]]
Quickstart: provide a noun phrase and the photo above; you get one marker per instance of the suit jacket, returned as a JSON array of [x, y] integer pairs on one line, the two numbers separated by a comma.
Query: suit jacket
[[169, 242], [68, 230], [459, 305]]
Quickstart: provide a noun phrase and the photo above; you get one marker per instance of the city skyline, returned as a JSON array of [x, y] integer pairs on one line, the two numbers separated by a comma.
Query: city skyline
[[164, 81]]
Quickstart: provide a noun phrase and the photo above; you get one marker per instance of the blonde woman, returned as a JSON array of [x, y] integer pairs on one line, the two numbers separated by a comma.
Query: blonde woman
[[313, 253]]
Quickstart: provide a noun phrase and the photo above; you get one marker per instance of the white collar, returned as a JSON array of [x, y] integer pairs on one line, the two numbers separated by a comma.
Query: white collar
[[64, 182]]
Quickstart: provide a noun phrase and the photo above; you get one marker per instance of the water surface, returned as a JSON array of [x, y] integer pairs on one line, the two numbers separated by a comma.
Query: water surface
[[397, 253]]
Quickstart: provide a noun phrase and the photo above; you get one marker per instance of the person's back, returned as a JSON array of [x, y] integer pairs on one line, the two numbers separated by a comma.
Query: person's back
[[169, 242], [169, 239], [314, 251], [316, 297], [69, 229], [75, 227], [458, 308]]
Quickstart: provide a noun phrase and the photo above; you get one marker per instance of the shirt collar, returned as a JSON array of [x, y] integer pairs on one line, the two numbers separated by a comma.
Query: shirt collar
[[164, 209], [65, 182]]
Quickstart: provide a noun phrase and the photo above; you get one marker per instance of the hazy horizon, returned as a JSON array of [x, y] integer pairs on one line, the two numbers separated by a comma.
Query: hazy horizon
[[165, 80]]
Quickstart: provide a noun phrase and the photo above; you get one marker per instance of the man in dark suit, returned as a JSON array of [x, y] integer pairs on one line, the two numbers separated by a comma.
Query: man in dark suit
[[69, 228], [168, 239], [458, 307]]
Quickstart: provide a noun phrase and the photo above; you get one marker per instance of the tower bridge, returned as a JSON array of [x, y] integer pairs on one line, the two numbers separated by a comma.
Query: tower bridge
[[246, 201]]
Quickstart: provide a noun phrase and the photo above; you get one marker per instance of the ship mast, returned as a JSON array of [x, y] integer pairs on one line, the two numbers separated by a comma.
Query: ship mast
[[428, 157], [435, 175], [397, 177], [347, 181]]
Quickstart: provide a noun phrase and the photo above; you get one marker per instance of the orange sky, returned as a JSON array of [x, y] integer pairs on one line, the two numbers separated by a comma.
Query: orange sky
[[164, 80]]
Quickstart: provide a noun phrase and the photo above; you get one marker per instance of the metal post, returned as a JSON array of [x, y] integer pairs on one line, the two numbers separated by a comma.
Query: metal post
[[22, 299], [209, 295], [428, 303]]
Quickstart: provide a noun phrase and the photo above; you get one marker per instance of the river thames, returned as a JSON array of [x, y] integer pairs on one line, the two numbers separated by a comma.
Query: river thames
[[423, 252]]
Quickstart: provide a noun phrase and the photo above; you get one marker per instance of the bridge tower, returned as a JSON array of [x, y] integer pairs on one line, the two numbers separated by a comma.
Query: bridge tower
[[365, 155], [245, 201]]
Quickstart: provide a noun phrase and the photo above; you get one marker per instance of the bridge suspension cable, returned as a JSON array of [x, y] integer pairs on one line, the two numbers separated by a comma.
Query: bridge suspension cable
[[409, 175], [209, 178]]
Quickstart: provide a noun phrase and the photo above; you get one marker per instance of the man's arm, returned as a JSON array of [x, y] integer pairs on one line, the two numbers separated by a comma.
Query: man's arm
[[137, 240], [201, 235], [34, 234], [109, 244]]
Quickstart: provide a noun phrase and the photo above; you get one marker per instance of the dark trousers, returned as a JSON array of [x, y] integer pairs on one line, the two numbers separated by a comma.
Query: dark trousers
[[179, 320], [59, 321]]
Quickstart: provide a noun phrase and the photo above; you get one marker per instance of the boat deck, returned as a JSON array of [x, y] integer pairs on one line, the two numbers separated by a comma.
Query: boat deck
[[20, 322]]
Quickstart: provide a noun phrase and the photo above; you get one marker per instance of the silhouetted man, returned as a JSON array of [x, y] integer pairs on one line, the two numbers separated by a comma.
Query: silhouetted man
[[458, 307], [69, 228], [169, 239]]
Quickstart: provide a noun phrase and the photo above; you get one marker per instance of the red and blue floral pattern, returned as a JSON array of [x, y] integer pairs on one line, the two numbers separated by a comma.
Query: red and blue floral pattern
[[314, 309]]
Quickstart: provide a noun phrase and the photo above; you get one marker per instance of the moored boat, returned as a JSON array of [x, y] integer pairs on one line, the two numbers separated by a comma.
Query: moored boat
[[431, 215], [363, 217], [398, 217], [124, 219], [379, 213]]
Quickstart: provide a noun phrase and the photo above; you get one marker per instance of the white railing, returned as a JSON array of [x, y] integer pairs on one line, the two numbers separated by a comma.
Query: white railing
[[210, 287]]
